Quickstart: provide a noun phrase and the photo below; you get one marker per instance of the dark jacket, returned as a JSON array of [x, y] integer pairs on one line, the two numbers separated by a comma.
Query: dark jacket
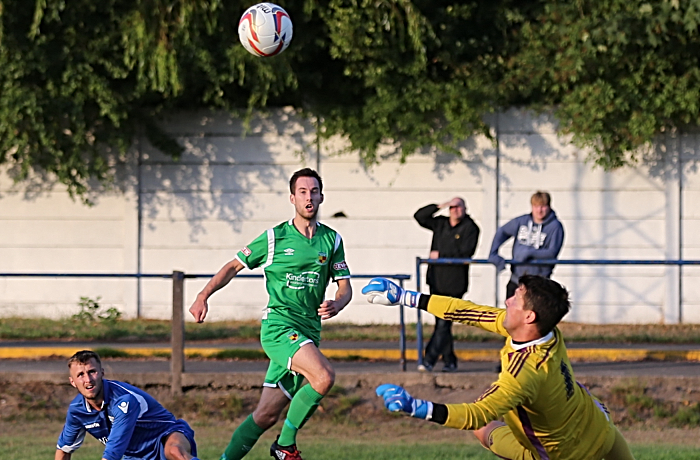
[[457, 242], [532, 241]]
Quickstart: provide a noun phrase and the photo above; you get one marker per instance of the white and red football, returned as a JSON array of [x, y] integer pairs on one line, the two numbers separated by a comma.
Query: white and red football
[[265, 29]]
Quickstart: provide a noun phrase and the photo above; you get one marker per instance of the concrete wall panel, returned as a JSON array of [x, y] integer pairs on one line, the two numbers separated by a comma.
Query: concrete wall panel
[[232, 183]]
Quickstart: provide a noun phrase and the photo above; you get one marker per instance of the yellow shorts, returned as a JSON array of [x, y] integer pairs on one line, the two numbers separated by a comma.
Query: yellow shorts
[[503, 444], [619, 450]]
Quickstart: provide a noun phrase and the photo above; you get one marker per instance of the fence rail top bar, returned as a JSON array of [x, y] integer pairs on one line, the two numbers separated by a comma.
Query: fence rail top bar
[[163, 276], [560, 262]]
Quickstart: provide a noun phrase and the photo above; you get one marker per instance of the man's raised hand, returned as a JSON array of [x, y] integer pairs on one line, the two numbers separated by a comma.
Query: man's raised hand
[[397, 399], [382, 291]]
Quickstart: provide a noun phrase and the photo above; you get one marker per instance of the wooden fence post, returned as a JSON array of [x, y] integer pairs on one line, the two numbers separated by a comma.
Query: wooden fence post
[[177, 337]]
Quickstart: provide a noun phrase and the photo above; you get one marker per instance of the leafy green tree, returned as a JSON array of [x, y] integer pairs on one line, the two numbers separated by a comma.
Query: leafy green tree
[[617, 73], [80, 80], [423, 72]]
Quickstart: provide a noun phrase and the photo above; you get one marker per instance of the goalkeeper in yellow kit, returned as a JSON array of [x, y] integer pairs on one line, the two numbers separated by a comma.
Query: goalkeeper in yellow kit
[[547, 414]]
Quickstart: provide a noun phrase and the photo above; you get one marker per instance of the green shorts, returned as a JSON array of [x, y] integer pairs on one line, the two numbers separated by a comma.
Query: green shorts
[[280, 343]]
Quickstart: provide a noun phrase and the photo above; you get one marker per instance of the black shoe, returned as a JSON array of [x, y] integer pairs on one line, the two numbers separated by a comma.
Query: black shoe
[[425, 367], [450, 367], [284, 452]]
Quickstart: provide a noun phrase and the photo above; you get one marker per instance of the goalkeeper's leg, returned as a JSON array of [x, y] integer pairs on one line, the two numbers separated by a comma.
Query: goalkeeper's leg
[[499, 439], [483, 434], [620, 450]]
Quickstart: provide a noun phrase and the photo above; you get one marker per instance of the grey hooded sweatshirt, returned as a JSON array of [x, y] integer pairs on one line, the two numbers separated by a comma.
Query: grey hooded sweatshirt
[[532, 241]]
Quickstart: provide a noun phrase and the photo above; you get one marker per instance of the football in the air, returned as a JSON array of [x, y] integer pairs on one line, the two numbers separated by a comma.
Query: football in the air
[[265, 29]]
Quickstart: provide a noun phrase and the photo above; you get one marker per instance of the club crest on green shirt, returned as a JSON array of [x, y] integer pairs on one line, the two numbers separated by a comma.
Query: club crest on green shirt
[[322, 258], [293, 336]]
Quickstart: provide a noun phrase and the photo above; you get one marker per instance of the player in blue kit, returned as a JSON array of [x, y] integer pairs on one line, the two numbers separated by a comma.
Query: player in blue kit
[[128, 421]]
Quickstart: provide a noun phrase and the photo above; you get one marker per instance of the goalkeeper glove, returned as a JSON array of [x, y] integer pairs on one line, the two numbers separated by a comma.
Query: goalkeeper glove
[[384, 292], [397, 399]]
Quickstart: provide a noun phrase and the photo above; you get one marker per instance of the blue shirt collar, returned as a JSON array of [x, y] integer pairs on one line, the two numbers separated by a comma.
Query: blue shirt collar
[[105, 396]]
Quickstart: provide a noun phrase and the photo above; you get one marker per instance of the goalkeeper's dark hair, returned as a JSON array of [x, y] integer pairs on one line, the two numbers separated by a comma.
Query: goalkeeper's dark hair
[[548, 299], [306, 172], [84, 357]]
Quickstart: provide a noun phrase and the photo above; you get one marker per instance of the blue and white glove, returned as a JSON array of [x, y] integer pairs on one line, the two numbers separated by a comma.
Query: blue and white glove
[[381, 291], [397, 399]]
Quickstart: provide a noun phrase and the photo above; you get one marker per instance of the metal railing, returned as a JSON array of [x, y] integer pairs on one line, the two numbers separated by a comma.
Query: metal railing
[[177, 337], [420, 261]]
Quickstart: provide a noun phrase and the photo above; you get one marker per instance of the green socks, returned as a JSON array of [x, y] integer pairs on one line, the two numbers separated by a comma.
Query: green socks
[[302, 407], [247, 434], [243, 439]]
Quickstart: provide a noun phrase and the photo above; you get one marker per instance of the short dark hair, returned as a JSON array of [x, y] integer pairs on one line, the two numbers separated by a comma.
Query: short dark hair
[[306, 172], [548, 299], [84, 357]]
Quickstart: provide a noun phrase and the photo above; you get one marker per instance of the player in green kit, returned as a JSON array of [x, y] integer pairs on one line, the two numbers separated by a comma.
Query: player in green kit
[[299, 258]]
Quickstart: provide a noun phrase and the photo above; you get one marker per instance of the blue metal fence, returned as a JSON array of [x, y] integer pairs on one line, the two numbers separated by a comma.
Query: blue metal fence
[[398, 277], [420, 261]]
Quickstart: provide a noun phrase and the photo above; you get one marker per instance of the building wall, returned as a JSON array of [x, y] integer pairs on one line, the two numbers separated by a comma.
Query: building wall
[[229, 186]]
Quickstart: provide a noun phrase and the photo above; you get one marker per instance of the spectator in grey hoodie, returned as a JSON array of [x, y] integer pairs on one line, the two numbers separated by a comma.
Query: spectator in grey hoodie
[[538, 235]]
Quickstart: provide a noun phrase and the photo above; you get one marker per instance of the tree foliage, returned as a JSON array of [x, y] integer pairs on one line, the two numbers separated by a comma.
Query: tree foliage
[[618, 73], [80, 79]]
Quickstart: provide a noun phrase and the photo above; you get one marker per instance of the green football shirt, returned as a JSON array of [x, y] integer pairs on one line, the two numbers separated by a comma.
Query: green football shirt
[[297, 271]]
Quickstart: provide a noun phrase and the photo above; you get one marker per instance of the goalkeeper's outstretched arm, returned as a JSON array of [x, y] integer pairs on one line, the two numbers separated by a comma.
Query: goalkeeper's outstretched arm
[[466, 312], [397, 399], [382, 291], [461, 416]]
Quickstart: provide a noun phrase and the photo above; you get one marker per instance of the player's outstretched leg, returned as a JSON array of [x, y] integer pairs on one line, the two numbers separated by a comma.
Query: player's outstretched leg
[[272, 401], [620, 450], [243, 439], [309, 362], [303, 405], [500, 440], [483, 434]]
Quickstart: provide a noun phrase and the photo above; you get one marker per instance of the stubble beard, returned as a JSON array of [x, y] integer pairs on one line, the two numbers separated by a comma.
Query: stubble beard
[[304, 214], [97, 395]]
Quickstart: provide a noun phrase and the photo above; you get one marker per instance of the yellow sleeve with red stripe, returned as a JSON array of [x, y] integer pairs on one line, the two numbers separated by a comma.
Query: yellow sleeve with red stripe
[[516, 385], [464, 311]]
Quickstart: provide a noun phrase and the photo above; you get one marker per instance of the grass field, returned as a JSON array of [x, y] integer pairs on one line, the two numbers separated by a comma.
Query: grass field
[[153, 330], [318, 442]]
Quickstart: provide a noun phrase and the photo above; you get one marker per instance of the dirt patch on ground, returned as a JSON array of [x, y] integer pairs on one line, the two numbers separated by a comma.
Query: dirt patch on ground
[[638, 405]]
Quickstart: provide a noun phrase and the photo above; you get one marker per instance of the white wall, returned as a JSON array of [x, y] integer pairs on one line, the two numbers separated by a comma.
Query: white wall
[[195, 214], [619, 215]]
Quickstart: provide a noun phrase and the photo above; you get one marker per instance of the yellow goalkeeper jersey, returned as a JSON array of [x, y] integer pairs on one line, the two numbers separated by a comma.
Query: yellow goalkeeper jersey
[[551, 414]]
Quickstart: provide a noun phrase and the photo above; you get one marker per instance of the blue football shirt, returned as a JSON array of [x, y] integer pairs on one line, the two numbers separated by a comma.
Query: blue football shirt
[[130, 424]]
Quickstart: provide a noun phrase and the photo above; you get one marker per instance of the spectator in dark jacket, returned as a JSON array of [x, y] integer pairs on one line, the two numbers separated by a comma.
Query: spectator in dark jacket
[[538, 235], [456, 237]]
